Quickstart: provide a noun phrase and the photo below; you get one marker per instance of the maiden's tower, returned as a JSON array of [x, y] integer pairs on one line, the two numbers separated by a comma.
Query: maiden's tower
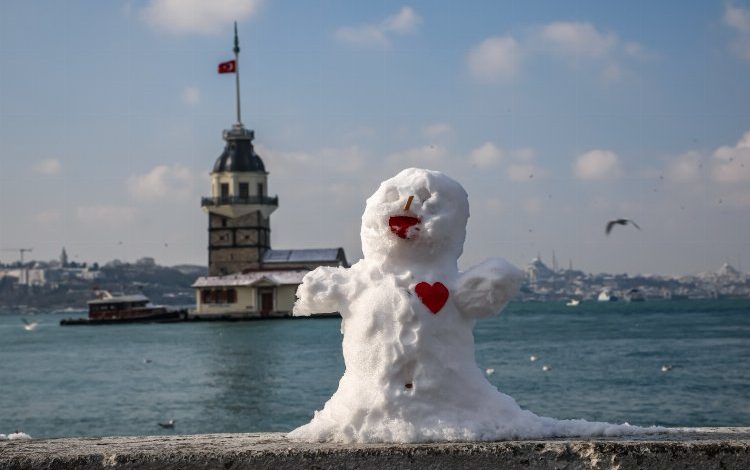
[[247, 278]]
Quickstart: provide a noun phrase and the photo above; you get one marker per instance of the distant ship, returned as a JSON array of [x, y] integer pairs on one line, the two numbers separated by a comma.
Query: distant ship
[[634, 295], [607, 296], [573, 303], [109, 309]]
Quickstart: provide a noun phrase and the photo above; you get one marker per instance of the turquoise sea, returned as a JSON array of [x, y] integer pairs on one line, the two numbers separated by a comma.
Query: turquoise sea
[[605, 364]]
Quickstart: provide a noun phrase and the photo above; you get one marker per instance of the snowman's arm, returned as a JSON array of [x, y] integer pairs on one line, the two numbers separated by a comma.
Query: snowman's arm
[[485, 289], [323, 290]]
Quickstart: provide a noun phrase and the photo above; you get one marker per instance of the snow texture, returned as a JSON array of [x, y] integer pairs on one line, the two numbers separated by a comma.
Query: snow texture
[[410, 373], [14, 436]]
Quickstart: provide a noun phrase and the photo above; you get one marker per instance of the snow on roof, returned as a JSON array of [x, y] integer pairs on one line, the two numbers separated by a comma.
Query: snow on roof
[[302, 256], [251, 278]]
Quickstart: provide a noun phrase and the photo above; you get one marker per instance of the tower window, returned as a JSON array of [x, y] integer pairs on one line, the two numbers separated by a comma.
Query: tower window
[[224, 190], [260, 189], [223, 221], [244, 190]]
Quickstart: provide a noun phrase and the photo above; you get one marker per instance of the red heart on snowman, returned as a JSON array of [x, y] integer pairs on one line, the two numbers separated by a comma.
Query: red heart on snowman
[[432, 296]]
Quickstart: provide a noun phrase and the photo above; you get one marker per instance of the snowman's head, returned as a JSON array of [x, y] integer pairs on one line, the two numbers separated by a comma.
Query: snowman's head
[[418, 215]]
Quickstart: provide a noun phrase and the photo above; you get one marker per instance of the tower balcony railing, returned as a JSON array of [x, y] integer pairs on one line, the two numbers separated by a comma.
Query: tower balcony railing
[[238, 200]]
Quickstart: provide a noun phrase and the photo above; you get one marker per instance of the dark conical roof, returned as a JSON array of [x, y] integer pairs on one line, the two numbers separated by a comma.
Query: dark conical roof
[[239, 154]]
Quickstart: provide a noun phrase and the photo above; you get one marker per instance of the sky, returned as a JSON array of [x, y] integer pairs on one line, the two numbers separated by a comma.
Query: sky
[[555, 117]]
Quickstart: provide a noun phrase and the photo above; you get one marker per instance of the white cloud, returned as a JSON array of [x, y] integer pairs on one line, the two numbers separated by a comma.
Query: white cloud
[[728, 164], [426, 156], [500, 58], [573, 41], [437, 130], [365, 35], [343, 160], [198, 16], [406, 21], [633, 49], [521, 172], [102, 215], [47, 217], [171, 183], [191, 95], [524, 154], [577, 39], [597, 165], [495, 59], [686, 167], [496, 206], [532, 205], [731, 164], [485, 156], [49, 167], [359, 133], [738, 19]]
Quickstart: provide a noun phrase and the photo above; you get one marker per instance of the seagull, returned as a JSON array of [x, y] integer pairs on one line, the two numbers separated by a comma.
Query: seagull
[[489, 371], [29, 326], [666, 367], [533, 358], [612, 223], [546, 368], [168, 425]]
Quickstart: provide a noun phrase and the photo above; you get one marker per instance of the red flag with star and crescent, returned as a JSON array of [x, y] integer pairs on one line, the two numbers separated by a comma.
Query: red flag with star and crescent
[[228, 67]]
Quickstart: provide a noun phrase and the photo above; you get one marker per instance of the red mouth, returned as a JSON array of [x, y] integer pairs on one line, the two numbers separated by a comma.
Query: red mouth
[[400, 224]]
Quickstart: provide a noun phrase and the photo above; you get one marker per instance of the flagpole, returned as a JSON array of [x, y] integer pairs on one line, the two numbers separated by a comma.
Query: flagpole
[[237, 72]]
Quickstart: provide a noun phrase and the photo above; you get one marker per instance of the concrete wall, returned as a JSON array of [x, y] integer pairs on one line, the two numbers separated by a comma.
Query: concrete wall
[[704, 449]]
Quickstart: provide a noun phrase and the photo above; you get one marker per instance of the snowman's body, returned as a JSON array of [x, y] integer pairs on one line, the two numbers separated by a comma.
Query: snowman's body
[[410, 372]]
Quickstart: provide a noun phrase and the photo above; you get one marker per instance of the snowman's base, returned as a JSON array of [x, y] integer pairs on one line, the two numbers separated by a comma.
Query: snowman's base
[[698, 448]]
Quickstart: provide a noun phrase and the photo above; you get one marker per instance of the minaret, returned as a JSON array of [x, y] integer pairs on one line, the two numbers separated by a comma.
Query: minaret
[[63, 259], [239, 209]]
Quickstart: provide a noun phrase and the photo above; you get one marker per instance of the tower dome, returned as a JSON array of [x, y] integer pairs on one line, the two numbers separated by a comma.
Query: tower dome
[[239, 154]]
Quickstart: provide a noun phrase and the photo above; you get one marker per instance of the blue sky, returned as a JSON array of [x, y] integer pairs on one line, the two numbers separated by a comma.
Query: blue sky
[[555, 116]]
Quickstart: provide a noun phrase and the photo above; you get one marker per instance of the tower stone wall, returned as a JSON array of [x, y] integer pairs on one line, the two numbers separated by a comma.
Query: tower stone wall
[[237, 244]]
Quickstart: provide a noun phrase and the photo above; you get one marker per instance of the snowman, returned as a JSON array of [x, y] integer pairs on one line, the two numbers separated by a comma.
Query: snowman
[[408, 316]]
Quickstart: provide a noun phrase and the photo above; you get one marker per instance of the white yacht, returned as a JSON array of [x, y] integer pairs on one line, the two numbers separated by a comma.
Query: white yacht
[[606, 296]]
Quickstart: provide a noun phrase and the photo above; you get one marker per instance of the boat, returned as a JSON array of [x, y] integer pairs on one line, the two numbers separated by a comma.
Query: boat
[[573, 303], [137, 308], [607, 296], [634, 295]]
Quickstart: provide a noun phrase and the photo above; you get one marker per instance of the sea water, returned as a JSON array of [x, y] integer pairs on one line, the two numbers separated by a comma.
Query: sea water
[[604, 362]]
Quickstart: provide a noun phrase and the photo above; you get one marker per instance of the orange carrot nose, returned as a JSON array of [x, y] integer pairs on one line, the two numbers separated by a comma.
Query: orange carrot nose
[[408, 203]]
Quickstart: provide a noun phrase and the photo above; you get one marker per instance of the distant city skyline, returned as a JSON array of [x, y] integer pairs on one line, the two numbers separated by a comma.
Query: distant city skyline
[[556, 117]]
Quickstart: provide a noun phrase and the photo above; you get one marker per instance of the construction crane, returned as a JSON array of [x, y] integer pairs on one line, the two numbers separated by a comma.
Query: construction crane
[[20, 251]]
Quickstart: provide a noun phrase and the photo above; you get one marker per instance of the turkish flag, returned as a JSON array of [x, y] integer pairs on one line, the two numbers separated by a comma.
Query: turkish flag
[[228, 67]]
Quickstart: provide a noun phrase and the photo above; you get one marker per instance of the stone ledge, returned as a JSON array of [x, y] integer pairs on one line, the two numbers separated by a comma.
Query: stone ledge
[[698, 448]]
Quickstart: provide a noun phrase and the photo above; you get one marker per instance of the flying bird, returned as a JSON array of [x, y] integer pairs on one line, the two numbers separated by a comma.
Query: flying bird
[[612, 223], [29, 326]]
